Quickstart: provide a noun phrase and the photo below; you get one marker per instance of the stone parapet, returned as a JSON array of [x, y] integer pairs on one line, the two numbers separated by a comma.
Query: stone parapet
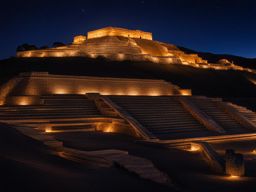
[[36, 84], [115, 31]]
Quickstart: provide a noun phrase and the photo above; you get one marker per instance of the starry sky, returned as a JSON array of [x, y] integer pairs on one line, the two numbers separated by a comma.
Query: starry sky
[[218, 26]]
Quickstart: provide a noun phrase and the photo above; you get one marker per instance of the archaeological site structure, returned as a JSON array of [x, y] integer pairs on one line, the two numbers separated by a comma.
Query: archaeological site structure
[[149, 127]]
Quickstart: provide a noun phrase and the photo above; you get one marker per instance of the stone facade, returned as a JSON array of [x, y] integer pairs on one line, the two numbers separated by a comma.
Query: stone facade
[[114, 31], [40, 83], [119, 44], [79, 39]]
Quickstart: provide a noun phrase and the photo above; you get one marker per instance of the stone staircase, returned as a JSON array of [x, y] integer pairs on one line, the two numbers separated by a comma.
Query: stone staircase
[[139, 166], [57, 113], [163, 116], [54, 106], [142, 167], [210, 107], [246, 112]]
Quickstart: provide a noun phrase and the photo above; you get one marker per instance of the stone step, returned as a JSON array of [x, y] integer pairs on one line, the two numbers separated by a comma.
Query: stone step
[[174, 132], [152, 127], [144, 168], [48, 111], [172, 126], [163, 116], [50, 117], [211, 108], [169, 122], [158, 113]]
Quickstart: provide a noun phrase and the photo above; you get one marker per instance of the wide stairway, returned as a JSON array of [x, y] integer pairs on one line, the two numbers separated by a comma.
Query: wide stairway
[[210, 107], [163, 116], [62, 112], [246, 112]]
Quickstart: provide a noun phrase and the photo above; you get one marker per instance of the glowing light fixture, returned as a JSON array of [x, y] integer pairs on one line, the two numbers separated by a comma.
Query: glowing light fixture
[[194, 147], [185, 92], [23, 102], [60, 91], [233, 177], [108, 130], [48, 130]]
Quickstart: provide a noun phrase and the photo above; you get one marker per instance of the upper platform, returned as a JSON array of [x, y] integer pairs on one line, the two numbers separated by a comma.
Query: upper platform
[[116, 31], [42, 83]]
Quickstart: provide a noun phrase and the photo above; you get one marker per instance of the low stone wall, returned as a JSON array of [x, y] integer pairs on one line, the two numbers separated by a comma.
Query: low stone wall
[[23, 100], [36, 84]]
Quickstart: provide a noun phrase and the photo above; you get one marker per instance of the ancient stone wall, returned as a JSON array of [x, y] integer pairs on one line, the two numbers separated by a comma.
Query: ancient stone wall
[[34, 84], [115, 44], [79, 39], [113, 31]]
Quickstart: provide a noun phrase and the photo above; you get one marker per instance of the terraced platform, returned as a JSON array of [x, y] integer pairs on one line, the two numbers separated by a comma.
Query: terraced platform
[[161, 117], [57, 113]]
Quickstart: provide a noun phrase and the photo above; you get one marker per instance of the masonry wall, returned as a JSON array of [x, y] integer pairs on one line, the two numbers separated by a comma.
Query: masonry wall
[[36, 84], [110, 31]]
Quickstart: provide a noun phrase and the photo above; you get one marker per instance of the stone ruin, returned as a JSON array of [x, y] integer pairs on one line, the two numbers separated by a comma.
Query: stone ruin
[[234, 163]]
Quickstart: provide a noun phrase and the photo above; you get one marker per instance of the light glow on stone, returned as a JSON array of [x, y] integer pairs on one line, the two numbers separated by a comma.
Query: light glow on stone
[[233, 177], [48, 130]]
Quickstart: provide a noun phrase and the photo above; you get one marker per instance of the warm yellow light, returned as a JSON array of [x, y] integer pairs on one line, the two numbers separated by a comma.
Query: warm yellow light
[[80, 39], [133, 92], [27, 54], [43, 54], [60, 91], [59, 54], [194, 148], [106, 127], [234, 177], [23, 102], [119, 92], [205, 67], [155, 59], [106, 92], [185, 92], [154, 93], [114, 31], [93, 55], [81, 92], [48, 130], [120, 56], [109, 129]]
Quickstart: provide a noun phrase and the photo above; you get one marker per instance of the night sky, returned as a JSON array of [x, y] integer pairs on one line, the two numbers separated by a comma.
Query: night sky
[[218, 26]]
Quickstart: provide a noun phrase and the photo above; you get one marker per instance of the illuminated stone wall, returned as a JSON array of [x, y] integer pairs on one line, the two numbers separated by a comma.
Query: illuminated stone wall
[[35, 84], [121, 44], [79, 39], [113, 31], [54, 52]]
